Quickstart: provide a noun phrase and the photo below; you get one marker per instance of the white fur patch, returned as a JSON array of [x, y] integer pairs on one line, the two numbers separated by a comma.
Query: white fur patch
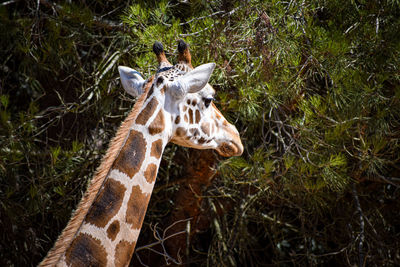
[[128, 182]]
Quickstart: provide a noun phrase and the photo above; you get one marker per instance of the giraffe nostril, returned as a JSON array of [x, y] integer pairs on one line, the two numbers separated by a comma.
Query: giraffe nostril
[[230, 149]]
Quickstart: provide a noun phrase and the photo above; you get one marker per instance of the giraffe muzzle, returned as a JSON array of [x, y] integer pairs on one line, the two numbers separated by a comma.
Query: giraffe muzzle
[[230, 149]]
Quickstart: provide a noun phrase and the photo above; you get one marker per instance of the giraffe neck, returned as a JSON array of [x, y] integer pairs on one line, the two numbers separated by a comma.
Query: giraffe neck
[[108, 234], [110, 223]]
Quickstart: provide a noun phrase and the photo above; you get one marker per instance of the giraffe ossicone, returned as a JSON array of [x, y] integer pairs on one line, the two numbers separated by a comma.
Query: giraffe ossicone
[[174, 105]]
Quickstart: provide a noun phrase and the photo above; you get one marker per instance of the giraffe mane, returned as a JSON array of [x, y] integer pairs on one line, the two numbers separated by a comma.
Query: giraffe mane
[[69, 232]]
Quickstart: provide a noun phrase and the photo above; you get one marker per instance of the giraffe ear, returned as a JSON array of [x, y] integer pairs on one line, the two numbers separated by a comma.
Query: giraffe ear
[[131, 80], [194, 80]]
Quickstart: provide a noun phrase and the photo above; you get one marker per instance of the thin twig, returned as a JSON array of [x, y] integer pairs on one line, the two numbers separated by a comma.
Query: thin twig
[[160, 241], [362, 228], [199, 18], [9, 2]]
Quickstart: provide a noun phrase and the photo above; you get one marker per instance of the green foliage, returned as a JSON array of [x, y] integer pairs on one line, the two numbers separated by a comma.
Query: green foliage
[[312, 86]]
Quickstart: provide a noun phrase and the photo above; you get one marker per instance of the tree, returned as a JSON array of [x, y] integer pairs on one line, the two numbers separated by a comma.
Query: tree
[[312, 86]]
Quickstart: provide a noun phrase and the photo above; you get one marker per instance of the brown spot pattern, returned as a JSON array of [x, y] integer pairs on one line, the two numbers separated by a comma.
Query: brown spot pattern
[[177, 119], [205, 127], [191, 115], [123, 253], [180, 131], [150, 173], [156, 149], [113, 230], [194, 103], [86, 251], [194, 131], [186, 118], [107, 203], [137, 206], [150, 93], [132, 154], [149, 84], [197, 116], [160, 80], [157, 126], [146, 113]]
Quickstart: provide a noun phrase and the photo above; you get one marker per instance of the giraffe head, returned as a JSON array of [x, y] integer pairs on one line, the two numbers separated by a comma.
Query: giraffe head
[[190, 116]]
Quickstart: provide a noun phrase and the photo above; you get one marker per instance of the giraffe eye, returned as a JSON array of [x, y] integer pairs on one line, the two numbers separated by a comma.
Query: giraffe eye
[[207, 101]]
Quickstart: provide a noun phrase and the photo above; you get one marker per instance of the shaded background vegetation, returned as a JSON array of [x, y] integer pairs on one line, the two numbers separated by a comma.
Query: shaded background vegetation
[[312, 86]]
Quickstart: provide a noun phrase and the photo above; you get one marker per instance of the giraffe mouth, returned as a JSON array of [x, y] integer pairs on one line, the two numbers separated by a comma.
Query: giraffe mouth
[[230, 149]]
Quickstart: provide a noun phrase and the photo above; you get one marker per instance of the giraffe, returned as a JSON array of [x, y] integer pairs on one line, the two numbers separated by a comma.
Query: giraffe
[[174, 105]]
